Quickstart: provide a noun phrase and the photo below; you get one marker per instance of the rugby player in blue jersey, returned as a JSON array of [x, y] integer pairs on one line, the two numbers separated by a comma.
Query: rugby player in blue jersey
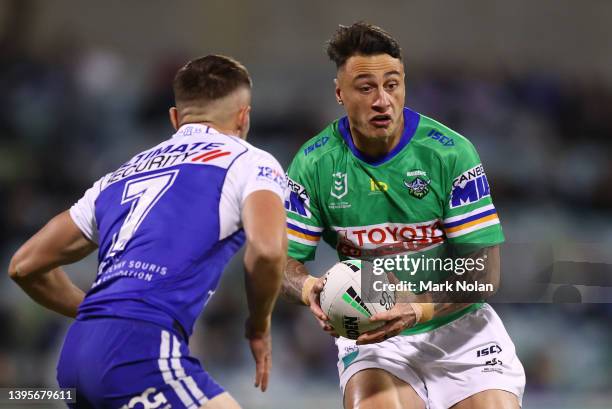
[[165, 224]]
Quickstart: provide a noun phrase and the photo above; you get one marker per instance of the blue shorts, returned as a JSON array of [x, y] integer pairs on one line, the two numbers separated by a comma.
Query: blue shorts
[[128, 364]]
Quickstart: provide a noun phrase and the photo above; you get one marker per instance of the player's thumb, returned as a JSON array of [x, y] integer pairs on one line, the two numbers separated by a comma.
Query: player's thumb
[[315, 308]]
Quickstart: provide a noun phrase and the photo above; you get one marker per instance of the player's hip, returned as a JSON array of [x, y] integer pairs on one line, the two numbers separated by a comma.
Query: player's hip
[[445, 365], [112, 362], [479, 328]]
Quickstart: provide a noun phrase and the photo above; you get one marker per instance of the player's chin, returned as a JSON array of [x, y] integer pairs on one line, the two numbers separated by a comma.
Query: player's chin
[[379, 131]]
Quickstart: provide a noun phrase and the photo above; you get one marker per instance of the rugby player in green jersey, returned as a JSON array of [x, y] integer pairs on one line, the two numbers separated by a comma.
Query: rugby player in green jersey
[[387, 181]]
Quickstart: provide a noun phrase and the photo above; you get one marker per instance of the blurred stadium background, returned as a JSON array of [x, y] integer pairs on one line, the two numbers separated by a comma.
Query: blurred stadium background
[[84, 85]]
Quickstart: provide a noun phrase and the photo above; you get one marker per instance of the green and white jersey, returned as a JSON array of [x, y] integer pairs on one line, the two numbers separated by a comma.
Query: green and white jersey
[[428, 192]]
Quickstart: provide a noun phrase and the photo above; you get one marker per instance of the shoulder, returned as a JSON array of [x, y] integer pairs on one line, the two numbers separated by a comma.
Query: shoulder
[[442, 141], [252, 154], [324, 143], [257, 166]]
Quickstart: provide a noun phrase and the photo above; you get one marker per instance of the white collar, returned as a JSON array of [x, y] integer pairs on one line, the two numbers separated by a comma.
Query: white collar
[[191, 129]]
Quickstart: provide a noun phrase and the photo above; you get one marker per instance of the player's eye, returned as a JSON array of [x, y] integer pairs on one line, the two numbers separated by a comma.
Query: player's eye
[[364, 88], [392, 85]]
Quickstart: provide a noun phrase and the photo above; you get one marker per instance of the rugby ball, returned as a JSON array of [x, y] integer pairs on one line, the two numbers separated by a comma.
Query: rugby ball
[[343, 302]]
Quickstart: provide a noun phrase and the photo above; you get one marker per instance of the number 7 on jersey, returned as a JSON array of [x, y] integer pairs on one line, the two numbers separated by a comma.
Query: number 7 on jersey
[[143, 193]]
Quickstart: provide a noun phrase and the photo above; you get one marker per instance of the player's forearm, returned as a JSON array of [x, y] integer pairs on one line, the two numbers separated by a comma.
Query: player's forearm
[[485, 280], [36, 266], [263, 280], [52, 290], [296, 274], [488, 278]]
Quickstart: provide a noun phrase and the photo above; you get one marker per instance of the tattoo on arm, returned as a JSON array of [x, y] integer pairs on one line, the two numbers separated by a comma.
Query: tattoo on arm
[[293, 281], [448, 302]]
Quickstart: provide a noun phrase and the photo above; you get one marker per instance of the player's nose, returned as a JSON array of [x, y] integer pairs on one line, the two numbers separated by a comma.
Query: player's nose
[[382, 101]]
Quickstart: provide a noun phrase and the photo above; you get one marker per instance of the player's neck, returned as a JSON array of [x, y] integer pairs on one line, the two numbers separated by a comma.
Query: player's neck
[[221, 128], [376, 147]]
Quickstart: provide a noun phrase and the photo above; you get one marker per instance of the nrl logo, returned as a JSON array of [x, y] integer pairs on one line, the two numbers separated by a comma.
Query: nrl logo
[[339, 187], [417, 183]]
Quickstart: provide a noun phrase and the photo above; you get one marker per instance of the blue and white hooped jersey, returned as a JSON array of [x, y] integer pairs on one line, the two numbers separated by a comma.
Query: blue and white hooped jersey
[[168, 221]]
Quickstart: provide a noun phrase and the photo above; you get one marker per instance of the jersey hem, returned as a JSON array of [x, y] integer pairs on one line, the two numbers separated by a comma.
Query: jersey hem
[[175, 329], [439, 322]]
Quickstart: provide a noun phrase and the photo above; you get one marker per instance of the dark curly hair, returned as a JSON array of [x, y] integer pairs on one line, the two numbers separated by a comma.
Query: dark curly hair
[[361, 39]]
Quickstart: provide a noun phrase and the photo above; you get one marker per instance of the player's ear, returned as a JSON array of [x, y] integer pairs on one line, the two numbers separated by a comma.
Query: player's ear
[[338, 93], [173, 113], [244, 121]]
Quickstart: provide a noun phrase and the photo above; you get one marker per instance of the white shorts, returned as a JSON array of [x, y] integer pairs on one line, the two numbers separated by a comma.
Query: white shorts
[[444, 366]]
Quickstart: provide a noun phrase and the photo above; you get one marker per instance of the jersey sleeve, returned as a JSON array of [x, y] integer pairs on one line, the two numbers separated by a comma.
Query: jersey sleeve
[[83, 212], [304, 227], [253, 171], [265, 173], [470, 218]]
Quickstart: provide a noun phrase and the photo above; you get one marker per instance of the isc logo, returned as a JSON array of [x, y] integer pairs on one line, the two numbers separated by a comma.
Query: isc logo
[[493, 349], [318, 143], [145, 402], [440, 137]]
